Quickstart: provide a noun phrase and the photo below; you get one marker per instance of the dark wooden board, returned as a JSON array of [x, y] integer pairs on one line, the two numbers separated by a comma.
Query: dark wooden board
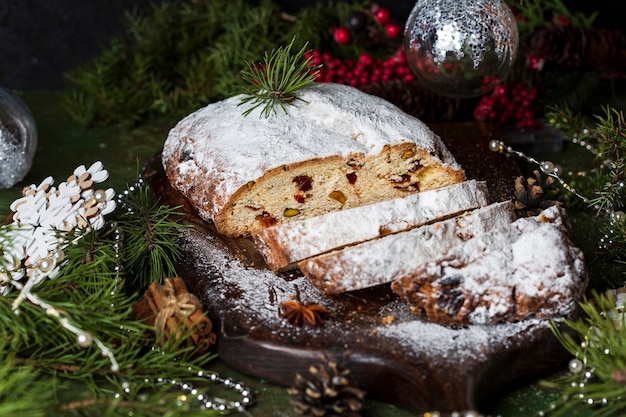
[[393, 354]]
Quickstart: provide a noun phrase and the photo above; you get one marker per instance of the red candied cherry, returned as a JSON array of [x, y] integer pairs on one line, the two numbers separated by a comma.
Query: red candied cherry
[[382, 15], [342, 35], [393, 30]]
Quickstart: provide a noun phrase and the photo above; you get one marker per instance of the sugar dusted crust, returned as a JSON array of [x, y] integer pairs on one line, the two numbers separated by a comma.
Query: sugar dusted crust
[[338, 148], [283, 245], [528, 270], [384, 260]]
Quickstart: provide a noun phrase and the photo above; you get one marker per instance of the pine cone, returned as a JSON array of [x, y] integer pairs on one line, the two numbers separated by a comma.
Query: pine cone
[[418, 101], [326, 392], [600, 50], [530, 195]]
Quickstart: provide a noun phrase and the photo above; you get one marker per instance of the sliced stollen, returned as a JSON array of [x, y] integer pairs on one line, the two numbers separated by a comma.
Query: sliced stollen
[[334, 148], [283, 245], [384, 260], [530, 269]]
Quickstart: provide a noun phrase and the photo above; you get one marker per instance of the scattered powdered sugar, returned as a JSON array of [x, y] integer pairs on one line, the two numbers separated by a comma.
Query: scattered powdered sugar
[[251, 297], [257, 292], [474, 342]]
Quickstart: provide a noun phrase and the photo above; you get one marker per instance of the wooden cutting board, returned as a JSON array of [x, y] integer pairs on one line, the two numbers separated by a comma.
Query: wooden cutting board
[[392, 354]]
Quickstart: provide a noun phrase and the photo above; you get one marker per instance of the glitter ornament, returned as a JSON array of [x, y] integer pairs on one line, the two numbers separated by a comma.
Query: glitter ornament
[[18, 139], [461, 48]]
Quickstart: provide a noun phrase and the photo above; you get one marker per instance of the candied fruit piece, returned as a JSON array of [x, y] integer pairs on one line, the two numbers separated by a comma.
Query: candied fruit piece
[[303, 182], [338, 195], [266, 219], [290, 212]]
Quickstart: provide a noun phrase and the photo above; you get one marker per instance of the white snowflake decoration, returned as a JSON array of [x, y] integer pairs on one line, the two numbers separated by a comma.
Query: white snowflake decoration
[[43, 219]]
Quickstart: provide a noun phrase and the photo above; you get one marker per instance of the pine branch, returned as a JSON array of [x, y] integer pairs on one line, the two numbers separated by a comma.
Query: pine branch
[[533, 14], [611, 131], [276, 80], [41, 345], [21, 391], [165, 63], [149, 245], [597, 385]]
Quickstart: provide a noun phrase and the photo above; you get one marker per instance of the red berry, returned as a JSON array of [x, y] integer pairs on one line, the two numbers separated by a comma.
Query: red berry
[[562, 20], [342, 35], [382, 15], [499, 91], [366, 59], [393, 30]]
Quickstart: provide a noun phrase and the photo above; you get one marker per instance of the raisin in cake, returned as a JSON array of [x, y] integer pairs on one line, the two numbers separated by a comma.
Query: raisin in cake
[[283, 245], [380, 261], [528, 270], [333, 149]]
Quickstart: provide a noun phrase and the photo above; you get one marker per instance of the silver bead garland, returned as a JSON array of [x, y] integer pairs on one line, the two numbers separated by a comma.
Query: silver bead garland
[[214, 403], [205, 401], [464, 413], [555, 171], [194, 394], [578, 365]]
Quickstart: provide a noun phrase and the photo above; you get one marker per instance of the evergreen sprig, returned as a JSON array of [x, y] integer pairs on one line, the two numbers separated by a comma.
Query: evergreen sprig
[[599, 384], [150, 232], [604, 186], [535, 13], [42, 367], [172, 58], [22, 393], [176, 57], [276, 80]]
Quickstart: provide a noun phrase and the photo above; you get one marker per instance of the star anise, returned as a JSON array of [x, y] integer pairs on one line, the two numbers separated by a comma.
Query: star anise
[[297, 313]]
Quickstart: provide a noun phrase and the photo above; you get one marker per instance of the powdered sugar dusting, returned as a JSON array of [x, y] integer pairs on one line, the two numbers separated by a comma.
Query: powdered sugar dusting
[[297, 240], [330, 119], [251, 297], [472, 342], [529, 269]]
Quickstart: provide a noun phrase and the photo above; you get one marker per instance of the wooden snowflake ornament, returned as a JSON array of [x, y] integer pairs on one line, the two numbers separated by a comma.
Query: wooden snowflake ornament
[[43, 222]]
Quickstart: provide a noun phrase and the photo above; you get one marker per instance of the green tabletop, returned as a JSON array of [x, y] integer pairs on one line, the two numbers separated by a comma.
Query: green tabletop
[[63, 145]]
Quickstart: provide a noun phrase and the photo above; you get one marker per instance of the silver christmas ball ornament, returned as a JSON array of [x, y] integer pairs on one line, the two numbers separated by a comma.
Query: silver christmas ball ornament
[[18, 138], [461, 48]]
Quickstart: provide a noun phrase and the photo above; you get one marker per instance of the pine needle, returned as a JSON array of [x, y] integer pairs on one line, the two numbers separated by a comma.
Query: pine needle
[[276, 80]]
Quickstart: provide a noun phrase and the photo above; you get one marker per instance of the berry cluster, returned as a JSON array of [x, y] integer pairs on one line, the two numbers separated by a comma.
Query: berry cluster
[[366, 70], [509, 103], [376, 24]]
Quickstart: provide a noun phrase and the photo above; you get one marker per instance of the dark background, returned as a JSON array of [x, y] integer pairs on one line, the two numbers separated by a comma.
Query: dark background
[[41, 39]]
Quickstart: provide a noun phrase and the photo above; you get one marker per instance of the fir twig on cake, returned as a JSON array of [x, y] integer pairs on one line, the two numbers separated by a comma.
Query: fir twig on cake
[[276, 79]]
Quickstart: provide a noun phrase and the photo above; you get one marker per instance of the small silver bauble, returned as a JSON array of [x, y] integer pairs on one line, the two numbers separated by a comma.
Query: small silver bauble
[[84, 339], [18, 139], [576, 366], [461, 48]]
